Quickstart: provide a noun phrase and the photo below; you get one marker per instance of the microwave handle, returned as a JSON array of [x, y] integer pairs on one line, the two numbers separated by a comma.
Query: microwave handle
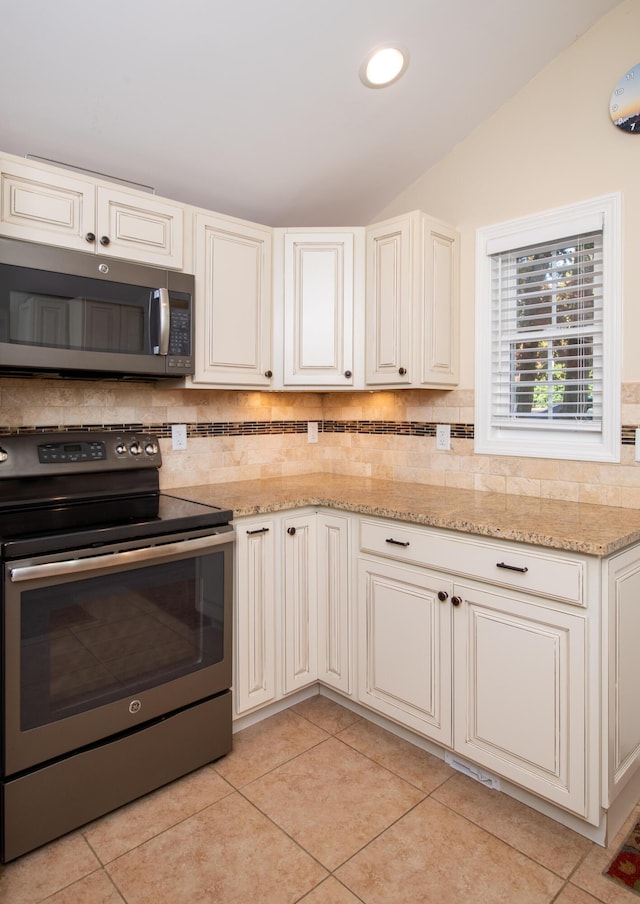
[[164, 321]]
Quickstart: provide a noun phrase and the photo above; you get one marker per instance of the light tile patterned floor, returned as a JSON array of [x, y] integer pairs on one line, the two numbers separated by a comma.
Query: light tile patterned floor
[[319, 806]]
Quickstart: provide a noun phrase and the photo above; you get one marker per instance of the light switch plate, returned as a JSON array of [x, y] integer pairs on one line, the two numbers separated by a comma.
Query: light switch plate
[[312, 431]]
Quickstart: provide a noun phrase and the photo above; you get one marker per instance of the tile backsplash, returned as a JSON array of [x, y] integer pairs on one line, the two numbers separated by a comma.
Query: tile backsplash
[[236, 435]]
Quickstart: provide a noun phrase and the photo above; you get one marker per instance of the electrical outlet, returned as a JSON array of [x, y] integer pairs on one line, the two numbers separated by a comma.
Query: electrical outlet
[[178, 437], [312, 431], [443, 437], [638, 444]]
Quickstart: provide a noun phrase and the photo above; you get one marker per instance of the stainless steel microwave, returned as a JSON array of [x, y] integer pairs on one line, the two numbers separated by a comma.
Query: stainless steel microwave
[[69, 313]]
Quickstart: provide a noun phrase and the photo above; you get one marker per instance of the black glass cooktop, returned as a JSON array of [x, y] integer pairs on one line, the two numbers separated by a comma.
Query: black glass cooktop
[[60, 526]]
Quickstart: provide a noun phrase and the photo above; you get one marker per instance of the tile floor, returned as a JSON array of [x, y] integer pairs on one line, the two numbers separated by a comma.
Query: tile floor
[[319, 806]]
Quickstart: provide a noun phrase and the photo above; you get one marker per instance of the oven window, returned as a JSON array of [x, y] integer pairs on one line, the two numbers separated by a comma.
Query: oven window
[[89, 642]]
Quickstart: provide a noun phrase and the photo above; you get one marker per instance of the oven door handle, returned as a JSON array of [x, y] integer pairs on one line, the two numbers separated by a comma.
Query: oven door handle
[[118, 559]]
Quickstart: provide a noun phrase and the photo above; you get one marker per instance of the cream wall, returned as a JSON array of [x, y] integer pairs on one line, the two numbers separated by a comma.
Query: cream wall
[[552, 144]]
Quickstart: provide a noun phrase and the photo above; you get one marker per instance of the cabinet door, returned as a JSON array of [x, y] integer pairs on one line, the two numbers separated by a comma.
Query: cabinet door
[[389, 293], [318, 309], [300, 612], [623, 613], [404, 640], [255, 638], [334, 621], [438, 303], [41, 206], [136, 228], [233, 303], [520, 679]]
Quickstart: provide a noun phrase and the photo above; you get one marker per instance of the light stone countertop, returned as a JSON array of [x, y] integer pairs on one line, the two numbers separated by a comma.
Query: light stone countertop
[[592, 529]]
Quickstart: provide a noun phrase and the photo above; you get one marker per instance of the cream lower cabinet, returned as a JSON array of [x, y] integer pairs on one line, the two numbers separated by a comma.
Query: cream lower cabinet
[[300, 602], [292, 624], [50, 205], [520, 679], [404, 649], [334, 601], [255, 676], [498, 674]]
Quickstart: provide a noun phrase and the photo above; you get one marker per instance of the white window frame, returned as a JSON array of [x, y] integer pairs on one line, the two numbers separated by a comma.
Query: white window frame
[[547, 441]]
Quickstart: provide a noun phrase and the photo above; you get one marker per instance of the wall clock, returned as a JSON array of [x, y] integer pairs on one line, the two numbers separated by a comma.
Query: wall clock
[[624, 107]]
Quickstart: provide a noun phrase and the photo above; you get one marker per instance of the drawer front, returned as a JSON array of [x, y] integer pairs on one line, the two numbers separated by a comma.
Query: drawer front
[[539, 571]]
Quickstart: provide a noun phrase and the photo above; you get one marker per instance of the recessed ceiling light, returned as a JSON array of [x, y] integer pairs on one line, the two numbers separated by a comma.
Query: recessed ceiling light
[[383, 66]]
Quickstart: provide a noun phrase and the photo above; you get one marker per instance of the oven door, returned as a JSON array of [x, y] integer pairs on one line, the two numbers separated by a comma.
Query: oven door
[[97, 643]]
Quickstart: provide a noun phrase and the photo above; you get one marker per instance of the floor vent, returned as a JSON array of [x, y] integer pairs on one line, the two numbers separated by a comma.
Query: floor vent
[[473, 771]]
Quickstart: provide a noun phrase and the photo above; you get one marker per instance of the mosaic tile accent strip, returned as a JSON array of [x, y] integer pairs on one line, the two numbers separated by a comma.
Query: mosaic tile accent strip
[[261, 428]]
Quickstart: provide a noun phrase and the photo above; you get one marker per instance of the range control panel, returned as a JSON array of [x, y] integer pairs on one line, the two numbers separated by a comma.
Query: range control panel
[[54, 452], [36, 454]]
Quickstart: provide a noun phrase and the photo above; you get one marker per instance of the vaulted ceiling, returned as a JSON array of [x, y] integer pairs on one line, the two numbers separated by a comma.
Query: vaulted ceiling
[[254, 108]]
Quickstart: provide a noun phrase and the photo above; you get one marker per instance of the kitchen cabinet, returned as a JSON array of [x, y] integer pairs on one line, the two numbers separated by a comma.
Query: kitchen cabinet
[[255, 677], [333, 539], [300, 611], [412, 303], [622, 743], [497, 673], [292, 606], [46, 204], [520, 680], [233, 303], [404, 654], [318, 284]]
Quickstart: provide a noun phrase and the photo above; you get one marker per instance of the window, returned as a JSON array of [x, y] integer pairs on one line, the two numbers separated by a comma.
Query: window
[[548, 336]]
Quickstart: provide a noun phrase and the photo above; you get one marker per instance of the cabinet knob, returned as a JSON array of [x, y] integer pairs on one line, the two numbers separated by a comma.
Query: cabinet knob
[[268, 374], [347, 374], [105, 240], [90, 237], [402, 371], [455, 600], [291, 531], [443, 596]]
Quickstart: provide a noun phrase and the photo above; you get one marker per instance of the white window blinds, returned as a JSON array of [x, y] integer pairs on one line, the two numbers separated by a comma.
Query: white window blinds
[[547, 334]]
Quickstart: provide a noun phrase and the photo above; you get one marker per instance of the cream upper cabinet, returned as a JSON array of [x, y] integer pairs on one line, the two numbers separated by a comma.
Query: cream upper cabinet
[[138, 228], [233, 303], [45, 204], [412, 303], [389, 295], [318, 303]]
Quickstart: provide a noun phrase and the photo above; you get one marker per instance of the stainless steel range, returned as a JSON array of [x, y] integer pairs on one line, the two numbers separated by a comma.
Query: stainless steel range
[[116, 631]]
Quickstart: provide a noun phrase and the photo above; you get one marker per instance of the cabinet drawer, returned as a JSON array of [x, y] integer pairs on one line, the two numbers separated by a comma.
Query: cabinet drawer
[[532, 570]]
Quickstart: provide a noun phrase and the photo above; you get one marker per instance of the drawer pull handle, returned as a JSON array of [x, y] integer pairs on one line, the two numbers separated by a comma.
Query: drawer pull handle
[[259, 530], [522, 569], [443, 596], [397, 542]]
